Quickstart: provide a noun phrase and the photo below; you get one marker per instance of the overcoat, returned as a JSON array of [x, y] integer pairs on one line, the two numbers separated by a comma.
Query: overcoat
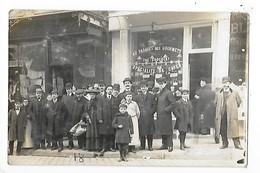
[[56, 115], [147, 107], [78, 109], [37, 112], [165, 105], [123, 134], [106, 111], [183, 112], [16, 125], [205, 106], [233, 101], [68, 101]]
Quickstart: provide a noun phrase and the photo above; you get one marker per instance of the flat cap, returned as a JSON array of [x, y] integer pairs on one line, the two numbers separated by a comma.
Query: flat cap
[[68, 85], [161, 80], [38, 90], [79, 91], [226, 79], [127, 79]]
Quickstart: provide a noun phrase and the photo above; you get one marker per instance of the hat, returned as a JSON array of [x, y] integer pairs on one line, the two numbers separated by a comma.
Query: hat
[[185, 91], [79, 91], [128, 93], [143, 82], [122, 106], [26, 97], [116, 87], [226, 79], [38, 90], [101, 82], [161, 80], [127, 79], [68, 86], [92, 90], [54, 91], [203, 79], [17, 99]]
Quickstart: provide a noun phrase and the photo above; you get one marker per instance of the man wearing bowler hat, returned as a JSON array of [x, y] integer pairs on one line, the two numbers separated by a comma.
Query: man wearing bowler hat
[[37, 112], [227, 102], [128, 88], [165, 105]]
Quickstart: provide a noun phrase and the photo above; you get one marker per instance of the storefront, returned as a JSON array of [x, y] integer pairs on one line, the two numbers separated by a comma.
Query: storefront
[[52, 48]]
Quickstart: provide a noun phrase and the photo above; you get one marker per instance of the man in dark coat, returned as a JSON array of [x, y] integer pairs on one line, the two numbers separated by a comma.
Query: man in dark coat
[[77, 114], [17, 119], [165, 105], [128, 88], [183, 112], [68, 100], [56, 115], [107, 109], [147, 105], [37, 112]]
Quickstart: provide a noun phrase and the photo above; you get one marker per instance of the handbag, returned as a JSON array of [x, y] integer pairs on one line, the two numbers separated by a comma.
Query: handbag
[[78, 129]]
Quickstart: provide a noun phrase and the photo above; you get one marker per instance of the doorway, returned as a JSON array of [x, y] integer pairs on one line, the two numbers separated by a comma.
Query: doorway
[[200, 65]]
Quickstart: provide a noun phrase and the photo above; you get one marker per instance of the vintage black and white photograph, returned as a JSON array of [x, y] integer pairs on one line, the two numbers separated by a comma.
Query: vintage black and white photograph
[[128, 88]]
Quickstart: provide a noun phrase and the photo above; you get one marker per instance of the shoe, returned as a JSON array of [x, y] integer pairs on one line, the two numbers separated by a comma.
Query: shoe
[[238, 147], [120, 160], [216, 140], [95, 155], [185, 146], [102, 152], [70, 147], [170, 149], [150, 149], [112, 150], [126, 160], [224, 146], [141, 148], [162, 148], [60, 149]]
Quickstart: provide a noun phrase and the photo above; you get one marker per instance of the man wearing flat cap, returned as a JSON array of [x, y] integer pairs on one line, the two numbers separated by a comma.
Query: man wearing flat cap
[[147, 105], [227, 102], [165, 105], [128, 88], [37, 112]]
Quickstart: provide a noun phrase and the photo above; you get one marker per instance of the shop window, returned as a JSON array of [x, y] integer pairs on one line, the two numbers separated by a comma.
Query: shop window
[[157, 54], [201, 37], [61, 53]]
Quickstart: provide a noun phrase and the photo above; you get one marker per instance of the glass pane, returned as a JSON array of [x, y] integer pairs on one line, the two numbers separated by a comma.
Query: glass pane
[[61, 53], [201, 37]]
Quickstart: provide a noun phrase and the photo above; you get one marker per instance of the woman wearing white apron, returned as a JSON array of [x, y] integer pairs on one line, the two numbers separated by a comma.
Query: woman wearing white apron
[[28, 141], [134, 112]]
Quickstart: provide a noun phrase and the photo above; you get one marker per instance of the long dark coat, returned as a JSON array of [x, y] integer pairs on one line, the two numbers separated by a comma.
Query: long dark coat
[[68, 101], [233, 102], [37, 112], [147, 107], [56, 115], [205, 106], [16, 125], [78, 109], [183, 112], [165, 105], [107, 109], [123, 134]]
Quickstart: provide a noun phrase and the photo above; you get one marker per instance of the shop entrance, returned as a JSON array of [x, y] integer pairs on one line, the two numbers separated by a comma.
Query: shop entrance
[[60, 75], [200, 65]]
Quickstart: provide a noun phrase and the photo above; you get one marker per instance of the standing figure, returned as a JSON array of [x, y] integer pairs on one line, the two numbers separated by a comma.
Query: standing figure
[[93, 139], [68, 100], [205, 109], [124, 130], [37, 112], [56, 114], [165, 105], [147, 105], [107, 109], [227, 102], [183, 112], [134, 112], [16, 126]]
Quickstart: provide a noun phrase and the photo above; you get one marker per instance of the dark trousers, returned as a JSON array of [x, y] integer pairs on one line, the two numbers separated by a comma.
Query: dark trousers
[[18, 149], [182, 137], [149, 140], [70, 138], [108, 141], [123, 147], [82, 141], [223, 132], [167, 141], [57, 139]]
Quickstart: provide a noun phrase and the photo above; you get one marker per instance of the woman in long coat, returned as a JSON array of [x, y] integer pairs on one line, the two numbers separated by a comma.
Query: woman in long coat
[[28, 141]]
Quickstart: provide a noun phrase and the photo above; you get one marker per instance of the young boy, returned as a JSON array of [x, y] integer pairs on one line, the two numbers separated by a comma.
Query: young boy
[[124, 130], [184, 114], [17, 120]]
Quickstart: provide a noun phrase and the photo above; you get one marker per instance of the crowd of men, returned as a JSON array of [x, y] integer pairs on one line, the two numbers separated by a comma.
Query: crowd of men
[[95, 107]]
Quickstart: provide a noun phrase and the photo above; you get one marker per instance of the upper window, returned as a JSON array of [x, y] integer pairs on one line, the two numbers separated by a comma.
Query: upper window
[[201, 37]]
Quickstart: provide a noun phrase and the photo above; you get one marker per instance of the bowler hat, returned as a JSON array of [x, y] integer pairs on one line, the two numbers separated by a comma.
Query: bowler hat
[[127, 79], [226, 79], [38, 90], [161, 80], [79, 91], [54, 91], [17, 99], [185, 91], [116, 87], [68, 86], [204, 79], [143, 82]]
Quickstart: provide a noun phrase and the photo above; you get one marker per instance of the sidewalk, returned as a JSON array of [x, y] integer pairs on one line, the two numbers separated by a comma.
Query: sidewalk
[[204, 152]]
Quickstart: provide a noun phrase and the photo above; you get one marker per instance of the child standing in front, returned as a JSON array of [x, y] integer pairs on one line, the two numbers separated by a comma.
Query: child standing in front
[[124, 130]]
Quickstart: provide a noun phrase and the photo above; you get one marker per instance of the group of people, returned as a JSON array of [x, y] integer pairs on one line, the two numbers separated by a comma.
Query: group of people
[[117, 120]]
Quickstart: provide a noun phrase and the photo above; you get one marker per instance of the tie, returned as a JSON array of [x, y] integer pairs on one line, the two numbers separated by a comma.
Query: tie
[[109, 96]]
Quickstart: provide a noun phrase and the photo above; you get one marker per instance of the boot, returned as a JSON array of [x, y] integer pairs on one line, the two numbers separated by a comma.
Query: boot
[[102, 152], [224, 145], [237, 143], [60, 145], [11, 147], [185, 146], [54, 146], [19, 147], [182, 142], [71, 145], [43, 145], [150, 143], [142, 140]]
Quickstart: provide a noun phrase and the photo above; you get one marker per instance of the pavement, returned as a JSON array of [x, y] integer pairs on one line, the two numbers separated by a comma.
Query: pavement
[[203, 152]]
